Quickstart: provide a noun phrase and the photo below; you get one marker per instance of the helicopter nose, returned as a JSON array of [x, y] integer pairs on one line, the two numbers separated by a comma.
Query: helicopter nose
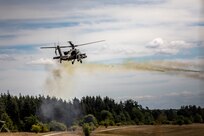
[[84, 55]]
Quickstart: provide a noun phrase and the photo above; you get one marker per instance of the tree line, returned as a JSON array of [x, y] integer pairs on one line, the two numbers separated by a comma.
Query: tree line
[[29, 113]]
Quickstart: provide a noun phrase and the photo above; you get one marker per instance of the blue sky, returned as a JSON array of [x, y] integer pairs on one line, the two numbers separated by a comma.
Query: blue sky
[[160, 34]]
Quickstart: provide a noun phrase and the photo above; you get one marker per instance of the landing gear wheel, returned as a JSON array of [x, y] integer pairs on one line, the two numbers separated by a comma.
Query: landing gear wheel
[[81, 61]]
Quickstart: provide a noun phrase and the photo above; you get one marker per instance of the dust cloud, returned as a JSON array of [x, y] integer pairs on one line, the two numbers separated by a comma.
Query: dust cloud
[[64, 77]]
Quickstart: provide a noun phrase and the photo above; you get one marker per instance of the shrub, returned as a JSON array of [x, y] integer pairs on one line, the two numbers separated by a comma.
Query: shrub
[[44, 127], [106, 123], [90, 119], [166, 122], [92, 126], [179, 120], [57, 126], [73, 128], [118, 124], [111, 123], [153, 123], [36, 128], [86, 129], [187, 121]]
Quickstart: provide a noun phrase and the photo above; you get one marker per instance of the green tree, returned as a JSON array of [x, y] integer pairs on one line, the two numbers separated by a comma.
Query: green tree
[[107, 118], [198, 118], [8, 121], [137, 115], [148, 118], [2, 107], [180, 120], [29, 121], [106, 115], [171, 114], [12, 109], [162, 118], [120, 118]]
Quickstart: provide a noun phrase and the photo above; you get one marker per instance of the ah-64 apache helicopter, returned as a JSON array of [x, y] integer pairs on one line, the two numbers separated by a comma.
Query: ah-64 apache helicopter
[[72, 54]]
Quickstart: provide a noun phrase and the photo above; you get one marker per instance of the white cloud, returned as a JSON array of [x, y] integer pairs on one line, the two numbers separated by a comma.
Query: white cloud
[[155, 97], [6, 57], [181, 94], [138, 98], [157, 42], [42, 61], [158, 45]]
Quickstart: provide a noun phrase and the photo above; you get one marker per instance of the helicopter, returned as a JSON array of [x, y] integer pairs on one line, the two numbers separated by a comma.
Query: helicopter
[[72, 54]]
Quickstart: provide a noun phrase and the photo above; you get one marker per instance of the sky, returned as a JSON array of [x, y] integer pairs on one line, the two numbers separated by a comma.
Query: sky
[[153, 51]]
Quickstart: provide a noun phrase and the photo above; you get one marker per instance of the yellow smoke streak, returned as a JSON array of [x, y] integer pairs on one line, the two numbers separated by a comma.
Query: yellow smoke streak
[[63, 78]]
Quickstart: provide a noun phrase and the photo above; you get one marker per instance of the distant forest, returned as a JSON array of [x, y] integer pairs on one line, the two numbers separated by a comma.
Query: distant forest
[[26, 113]]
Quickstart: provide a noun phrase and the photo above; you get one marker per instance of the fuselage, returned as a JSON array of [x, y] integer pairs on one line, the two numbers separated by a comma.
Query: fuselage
[[72, 54]]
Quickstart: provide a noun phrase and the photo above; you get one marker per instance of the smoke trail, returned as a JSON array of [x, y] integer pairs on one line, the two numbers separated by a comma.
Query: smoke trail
[[62, 78], [186, 69]]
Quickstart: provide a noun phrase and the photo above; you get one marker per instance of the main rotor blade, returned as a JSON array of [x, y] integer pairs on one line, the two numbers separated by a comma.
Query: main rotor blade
[[89, 43], [73, 45], [55, 47], [64, 46], [47, 47]]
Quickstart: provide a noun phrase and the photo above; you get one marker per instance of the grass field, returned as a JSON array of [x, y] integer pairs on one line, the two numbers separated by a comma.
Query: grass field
[[19, 134], [141, 130], [40, 134], [156, 130]]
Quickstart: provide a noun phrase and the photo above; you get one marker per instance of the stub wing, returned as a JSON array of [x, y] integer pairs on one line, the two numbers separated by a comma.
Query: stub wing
[[57, 57]]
